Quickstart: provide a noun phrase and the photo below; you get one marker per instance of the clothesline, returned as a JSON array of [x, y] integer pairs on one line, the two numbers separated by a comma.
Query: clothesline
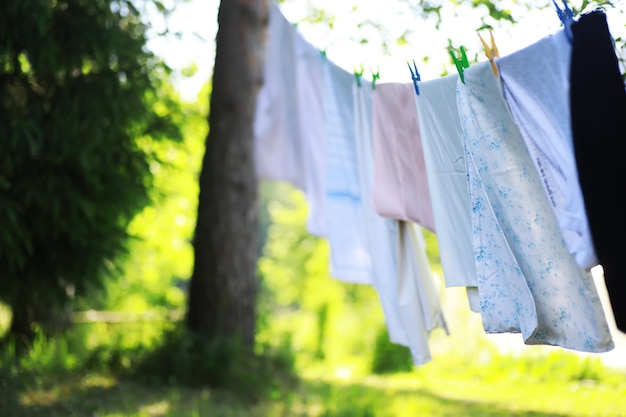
[[353, 42], [486, 162]]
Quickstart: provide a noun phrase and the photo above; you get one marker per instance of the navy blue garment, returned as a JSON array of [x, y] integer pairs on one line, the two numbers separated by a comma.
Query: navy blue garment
[[598, 109]]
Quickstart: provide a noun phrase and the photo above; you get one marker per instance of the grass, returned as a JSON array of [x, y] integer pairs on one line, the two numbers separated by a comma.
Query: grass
[[396, 395], [467, 377], [556, 385]]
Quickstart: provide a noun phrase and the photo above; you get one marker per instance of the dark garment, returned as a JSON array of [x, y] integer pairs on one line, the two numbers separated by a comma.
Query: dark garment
[[598, 108]]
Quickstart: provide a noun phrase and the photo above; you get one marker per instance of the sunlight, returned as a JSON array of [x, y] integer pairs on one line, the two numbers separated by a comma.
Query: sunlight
[[343, 373], [5, 318], [159, 408]]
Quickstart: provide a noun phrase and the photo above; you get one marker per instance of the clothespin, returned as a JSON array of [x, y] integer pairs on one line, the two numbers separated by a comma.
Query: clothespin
[[491, 52], [461, 63], [566, 16], [375, 76], [358, 74], [415, 76]]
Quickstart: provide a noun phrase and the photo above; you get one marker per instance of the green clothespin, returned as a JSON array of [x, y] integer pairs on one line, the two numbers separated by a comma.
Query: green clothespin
[[375, 76], [461, 63], [358, 74]]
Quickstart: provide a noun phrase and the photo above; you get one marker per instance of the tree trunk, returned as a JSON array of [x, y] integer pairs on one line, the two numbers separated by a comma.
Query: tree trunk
[[223, 287]]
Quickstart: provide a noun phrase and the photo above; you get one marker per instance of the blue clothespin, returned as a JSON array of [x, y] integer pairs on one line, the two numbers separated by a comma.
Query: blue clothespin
[[358, 74], [415, 76], [461, 63], [566, 16], [375, 76]]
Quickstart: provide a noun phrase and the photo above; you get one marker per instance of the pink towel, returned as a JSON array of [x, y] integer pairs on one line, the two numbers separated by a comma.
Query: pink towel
[[400, 182]]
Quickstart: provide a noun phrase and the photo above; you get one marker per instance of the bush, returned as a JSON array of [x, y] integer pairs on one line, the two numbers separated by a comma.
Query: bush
[[389, 357], [187, 359]]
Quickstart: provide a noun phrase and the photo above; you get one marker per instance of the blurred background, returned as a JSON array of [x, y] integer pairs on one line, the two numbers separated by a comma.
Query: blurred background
[[103, 130]]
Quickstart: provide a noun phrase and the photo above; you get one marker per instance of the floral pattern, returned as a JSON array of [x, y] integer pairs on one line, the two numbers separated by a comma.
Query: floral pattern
[[528, 282]]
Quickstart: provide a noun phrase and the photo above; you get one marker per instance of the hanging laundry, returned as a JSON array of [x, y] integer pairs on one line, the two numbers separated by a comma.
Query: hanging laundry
[[598, 107], [419, 301], [404, 281], [350, 259], [277, 131], [400, 183], [381, 233], [310, 112], [528, 281], [536, 87], [444, 156], [289, 132]]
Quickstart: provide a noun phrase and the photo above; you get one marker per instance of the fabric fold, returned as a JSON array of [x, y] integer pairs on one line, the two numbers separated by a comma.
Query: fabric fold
[[418, 299], [444, 157], [536, 87]]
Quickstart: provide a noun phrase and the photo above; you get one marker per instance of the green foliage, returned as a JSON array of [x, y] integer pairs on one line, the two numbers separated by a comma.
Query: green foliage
[[160, 260], [77, 94], [552, 366], [494, 11], [326, 319], [389, 357], [586, 5], [184, 358], [111, 349]]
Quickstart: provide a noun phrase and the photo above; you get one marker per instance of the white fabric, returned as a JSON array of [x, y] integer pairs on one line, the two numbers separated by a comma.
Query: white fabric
[[350, 259], [536, 87], [380, 233], [527, 279], [418, 299], [277, 138], [401, 271], [313, 135], [444, 155]]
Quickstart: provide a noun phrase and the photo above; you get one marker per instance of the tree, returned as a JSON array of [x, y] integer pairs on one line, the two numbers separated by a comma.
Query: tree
[[76, 92], [223, 287]]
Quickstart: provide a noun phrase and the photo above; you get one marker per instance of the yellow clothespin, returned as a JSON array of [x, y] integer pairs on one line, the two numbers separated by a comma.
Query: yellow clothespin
[[491, 52]]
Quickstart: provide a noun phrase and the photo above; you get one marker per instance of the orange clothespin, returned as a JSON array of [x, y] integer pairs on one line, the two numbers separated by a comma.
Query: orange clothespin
[[491, 52]]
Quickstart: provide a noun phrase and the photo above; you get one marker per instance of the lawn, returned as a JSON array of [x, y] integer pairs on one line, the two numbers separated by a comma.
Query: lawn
[[555, 385]]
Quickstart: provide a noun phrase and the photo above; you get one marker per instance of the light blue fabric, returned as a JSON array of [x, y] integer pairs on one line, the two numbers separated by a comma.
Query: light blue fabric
[[381, 233], [527, 279], [536, 87], [310, 112], [350, 259], [444, 156]]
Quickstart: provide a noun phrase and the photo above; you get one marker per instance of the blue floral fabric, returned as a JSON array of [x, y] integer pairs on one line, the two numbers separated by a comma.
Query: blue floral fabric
[[528, 281]]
